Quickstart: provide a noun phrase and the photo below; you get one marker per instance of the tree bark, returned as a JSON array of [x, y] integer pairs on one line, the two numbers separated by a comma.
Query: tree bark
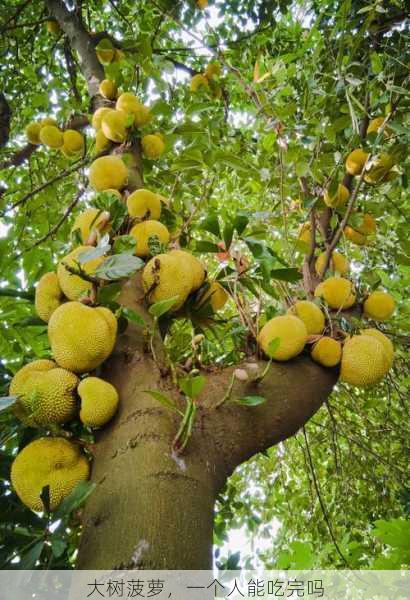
[[152, 509]]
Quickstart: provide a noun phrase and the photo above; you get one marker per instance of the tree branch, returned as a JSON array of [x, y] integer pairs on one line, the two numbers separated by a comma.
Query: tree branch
[[11, 293], [5, 117]]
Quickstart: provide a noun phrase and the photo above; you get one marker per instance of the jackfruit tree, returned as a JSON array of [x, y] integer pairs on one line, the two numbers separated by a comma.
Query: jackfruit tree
[[204, 261]]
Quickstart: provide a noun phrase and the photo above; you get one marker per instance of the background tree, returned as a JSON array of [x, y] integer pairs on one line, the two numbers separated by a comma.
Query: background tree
[[298, 87]]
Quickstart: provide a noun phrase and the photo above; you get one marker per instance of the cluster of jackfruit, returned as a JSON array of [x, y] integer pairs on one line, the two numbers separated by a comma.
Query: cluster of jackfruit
[[208, 81], [69, 141]]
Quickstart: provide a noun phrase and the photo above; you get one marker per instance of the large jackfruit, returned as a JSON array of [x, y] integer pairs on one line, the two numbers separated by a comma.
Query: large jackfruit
[[51, 136], [339, 198], [46, 393], [194, 265], [128, 102], [337, 292], [81, 337], [98, 116], [142, 232], [108, 89], [48, 461], [291, 334], [356, 161], [108, 172], [379, 306], [384, 340], [73, 143], [166, 276], [48, 297], [364, 361], [152, 145], [310, 314], [91, 219], [114, 125], [32, 133], [99, 401], [73, 286], [144, 204]]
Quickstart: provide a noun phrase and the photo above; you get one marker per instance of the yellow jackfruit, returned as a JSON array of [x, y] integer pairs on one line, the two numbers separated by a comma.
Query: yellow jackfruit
[[356, 161], [91, 219], [53, 27], [119, 55], [32, 133], [143, 231], [108, 89], [99, 401], [337, 292], [202, 4], [364, 361], [152, 146], [73, 286], [144, 204], [305, 235], [165, 277], [291, 333], [354, 236], [51, 136], [128, 103], [48, 296], [339, 198], [46, 394], [199, 82], [194, 265], [379, 306], [384, 340], [114, 125], [48, 121], [101, 142], [81, 337], [142, 115], [327, 352], [375, 125], [105, 51], [338, 263], [212, 69], [367, 226], [108, 172], [310, 314], [379, 168], [48, 461], [98, 116], [73, 142], [216, 295]]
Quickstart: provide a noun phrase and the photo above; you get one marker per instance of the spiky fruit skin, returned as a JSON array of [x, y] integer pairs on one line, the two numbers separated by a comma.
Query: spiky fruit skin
[[199, 82], [364, 361], [338, 199], [46, 394], [73, 286], [48, 296], [128, 103], [152, 146], [73, 143], [194, 265], [99, 401], [354, 236], [384, 340], [216, 295], [144, 204], [32, 133], [310, 314], [337, 292], [114, 126], [375, 125], [51, 136], [108, 172], [143, 231], [51, 461], [88, 220], [356, 161], [367, 226], [338, 263], [213, 69], [98, 116], [101, 142], [290, 331], [164, 277], [108, 89], [327, 352], [81, 337], [379, 306]]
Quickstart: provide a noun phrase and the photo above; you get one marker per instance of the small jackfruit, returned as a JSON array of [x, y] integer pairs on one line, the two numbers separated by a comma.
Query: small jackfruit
[[337, 292], [128, 103], [32, 133], [354, 236], [202, 4], [367, 226], [99, 401], [291, 333], [48, 296], [48, 461], [144, 204], [338, 263], [216, 295], [105, 51], [114, 125], [51, 136], [73, 143], [152, 146], [165, 277], [310, 314], [98, 116], [194, 265], [364, 361], [327, 352], [375, 125], [142, 115], [212, 69], [379, 306], [199, 82], [142, 233], [356, 161], [339, 198], [108, 172], [81, 337], [48, 121], [53, 26], [305, 235], [91, 219], [101, 142], [108, 89], [379, 168], [46, 394], [74, 286]]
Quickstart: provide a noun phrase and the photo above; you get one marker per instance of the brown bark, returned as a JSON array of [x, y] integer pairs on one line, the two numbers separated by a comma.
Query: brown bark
[[152, 509]]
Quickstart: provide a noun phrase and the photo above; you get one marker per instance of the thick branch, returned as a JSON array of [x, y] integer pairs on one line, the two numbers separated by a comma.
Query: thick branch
[[5, 116], [12, 293]]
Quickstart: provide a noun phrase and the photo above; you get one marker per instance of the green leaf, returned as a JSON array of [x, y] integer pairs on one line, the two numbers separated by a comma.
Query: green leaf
[[211, 224], [290, 275], [132, 316], [395, 532], [228, 234], [251, 400], [7, 401], [192, 386], [203, 246], [273, 346], [109, 293], [93, 253], [160, 308], [58, 547], [118, 266], [28, 559], [164, 400], [75, 499], [240, 222], [124, 244]]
